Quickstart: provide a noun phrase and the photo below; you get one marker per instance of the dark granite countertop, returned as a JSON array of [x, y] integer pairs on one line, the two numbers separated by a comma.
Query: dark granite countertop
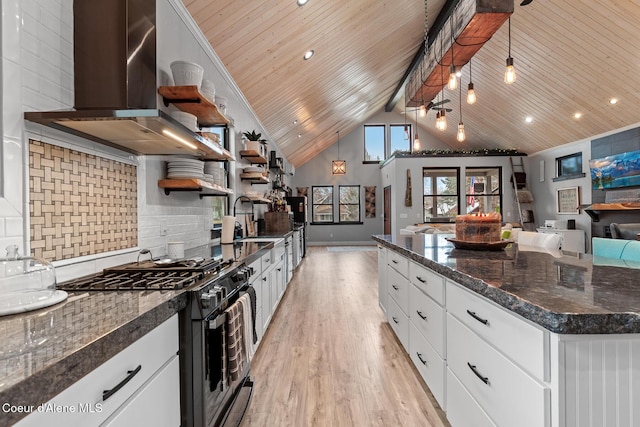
[[45, 351], [564, 293]]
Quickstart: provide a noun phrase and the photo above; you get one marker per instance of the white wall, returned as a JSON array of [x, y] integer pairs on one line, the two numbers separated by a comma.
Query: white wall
[[37, 75]]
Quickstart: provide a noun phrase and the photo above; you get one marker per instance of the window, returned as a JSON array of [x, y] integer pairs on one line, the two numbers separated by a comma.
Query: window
[[399, 139], [322, 204], [570, 166], [440, 195], [483, 190], [374, 143], [349, 203]]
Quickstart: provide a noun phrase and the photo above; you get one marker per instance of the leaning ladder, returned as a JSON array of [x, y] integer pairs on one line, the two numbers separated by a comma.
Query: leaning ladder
[[523, 195]]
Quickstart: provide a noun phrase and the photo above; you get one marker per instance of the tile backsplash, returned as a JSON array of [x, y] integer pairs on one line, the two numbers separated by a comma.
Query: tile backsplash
[[79, 204]]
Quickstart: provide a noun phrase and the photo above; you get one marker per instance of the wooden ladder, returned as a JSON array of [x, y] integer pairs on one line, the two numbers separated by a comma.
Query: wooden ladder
[[524, 198]]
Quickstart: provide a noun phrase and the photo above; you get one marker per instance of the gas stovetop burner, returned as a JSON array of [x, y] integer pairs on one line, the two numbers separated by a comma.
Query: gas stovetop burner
[[147, 276]]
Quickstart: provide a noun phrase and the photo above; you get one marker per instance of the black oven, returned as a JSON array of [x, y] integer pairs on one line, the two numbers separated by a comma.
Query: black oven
[[216, 389]]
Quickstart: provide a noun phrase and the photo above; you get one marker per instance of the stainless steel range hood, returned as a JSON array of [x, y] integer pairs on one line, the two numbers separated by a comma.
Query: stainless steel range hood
[[116, 83]]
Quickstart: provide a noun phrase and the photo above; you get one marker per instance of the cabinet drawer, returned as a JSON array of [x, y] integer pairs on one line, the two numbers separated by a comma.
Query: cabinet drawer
[[428, 362], [150, 352], [257, 269], [399, 323], [522, 342], [398, 262], [462, 409], [428, 317], [504, 391], [398, 288], [267, 260], [429, 282]]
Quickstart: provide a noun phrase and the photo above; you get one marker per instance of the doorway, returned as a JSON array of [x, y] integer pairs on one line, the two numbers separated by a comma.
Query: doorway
[[387, 210]]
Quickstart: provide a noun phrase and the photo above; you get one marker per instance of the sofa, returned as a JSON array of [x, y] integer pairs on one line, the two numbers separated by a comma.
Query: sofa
[[625, 231]]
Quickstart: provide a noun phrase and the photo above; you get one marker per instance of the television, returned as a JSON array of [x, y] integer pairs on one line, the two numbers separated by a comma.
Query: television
[[615, 171]]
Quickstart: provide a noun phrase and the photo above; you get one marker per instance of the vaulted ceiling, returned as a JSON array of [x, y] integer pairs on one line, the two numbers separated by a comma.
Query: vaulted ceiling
[[571, 56]]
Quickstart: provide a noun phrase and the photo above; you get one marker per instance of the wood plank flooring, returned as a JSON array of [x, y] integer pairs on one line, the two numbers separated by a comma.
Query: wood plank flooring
[[330, 359]]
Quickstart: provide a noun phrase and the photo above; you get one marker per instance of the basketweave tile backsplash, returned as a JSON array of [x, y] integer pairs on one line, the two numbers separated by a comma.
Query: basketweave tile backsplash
[[80, 204]]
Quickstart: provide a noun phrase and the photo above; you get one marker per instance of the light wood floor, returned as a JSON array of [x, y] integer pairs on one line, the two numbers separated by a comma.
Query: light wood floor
[[330, 359]]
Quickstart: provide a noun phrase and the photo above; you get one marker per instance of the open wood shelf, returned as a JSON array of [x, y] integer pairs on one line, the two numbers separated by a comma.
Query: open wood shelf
[[259, 200], [255, 178], [189, 99], [594, 210], [253, 156], [193, 184]]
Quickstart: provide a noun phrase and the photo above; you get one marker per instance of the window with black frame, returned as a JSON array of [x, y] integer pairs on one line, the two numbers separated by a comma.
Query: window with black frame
[[374, 143], [322, 204], [440, 193], [483, 189], [349, 199], [399, 138], [568, 167]]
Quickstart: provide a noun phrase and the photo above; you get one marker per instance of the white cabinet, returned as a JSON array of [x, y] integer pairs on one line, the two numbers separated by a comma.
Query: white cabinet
[[256, 282], [572, 240], [382, 278], [148, 373]]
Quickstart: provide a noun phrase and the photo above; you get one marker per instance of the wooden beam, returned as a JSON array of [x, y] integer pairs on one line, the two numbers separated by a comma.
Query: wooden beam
[[473, 23]]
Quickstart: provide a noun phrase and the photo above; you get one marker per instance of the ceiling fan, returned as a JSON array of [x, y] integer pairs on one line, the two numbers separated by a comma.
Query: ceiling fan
[[432, 106]]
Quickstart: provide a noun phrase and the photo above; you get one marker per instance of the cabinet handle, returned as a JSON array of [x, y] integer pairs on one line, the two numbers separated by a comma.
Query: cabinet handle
[[279, 269], [394, 261], [479, 319], [264, 278], [130, 374], [424, 362], [475, 371], [422, 316], [394, 319], [394, 287], [421, 279]]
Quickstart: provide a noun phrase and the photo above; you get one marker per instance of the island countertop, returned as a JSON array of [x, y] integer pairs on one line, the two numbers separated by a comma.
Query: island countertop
[[564, 293]]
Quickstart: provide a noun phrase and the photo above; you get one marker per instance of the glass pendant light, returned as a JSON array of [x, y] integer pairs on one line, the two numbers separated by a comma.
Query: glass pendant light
[[406, 125], [510, 71], [460, 136], [423, 110], [443, 120], [471, 94], [416, 139], [453, 78]]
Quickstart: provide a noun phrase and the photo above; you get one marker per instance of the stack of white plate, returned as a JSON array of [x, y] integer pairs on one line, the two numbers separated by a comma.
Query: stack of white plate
[[180, 167], [217, 172]]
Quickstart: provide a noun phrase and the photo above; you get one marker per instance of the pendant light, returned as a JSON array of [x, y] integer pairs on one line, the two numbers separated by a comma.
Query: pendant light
[[441, 119], [460, 136], [510, 71], [338, 167], [407, 134], [471, 94], [453, 78], [416, 139]]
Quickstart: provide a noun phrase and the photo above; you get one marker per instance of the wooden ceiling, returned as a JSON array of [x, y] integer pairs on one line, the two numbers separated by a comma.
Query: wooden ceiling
[[570, 55]]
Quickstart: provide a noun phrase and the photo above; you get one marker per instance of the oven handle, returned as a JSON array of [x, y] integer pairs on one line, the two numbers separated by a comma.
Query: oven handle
[[217, 321]]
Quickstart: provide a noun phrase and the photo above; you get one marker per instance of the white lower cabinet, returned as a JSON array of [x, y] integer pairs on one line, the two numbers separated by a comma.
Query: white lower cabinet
[[399, 322], [504, 391], [430, 365], [382, 278], [462, 409], [151, 396]]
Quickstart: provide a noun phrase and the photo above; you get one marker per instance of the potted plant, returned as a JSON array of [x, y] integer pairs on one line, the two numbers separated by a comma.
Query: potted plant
[[254, 143]]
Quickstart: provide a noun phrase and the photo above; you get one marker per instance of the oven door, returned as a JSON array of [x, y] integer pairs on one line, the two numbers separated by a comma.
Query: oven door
[[225, 400]]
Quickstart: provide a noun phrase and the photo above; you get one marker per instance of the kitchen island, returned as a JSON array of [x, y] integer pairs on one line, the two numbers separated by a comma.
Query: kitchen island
[[46, 351], [562, 329]]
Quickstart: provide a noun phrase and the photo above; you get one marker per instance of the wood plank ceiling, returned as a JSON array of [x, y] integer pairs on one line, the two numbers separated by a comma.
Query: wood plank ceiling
[[571, 57]]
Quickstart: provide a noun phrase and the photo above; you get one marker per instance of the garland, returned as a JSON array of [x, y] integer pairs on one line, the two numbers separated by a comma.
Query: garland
[[460, 153]]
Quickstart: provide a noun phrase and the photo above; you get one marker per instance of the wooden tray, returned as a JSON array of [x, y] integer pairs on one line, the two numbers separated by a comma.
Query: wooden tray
[[480, 246]]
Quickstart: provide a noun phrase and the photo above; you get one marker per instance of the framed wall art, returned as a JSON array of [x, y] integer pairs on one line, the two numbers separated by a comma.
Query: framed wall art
[[568, 200]]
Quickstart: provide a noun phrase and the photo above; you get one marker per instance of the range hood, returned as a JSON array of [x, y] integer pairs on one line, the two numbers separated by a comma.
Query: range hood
[[116, 84]]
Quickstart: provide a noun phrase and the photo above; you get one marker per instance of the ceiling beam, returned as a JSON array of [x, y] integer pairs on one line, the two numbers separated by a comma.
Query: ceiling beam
[[468, 28], [442, 17]]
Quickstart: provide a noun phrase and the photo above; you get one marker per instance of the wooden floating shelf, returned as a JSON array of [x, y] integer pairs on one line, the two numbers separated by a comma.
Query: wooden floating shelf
[[193, 184], [594, 210], [253, 156], [255, 178], [189, 99], [223, 155], [259, 200]]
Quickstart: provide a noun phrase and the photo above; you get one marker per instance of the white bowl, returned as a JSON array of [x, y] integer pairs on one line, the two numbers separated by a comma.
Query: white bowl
[[187, 73], [208, 89], [187, 119]]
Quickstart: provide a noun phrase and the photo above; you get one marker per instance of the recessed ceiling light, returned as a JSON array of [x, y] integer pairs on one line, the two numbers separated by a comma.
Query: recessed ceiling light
[[528, 119], [577, 115], [613, 101], [308, 54], [295, 122], [302, 2], [299, 135]]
